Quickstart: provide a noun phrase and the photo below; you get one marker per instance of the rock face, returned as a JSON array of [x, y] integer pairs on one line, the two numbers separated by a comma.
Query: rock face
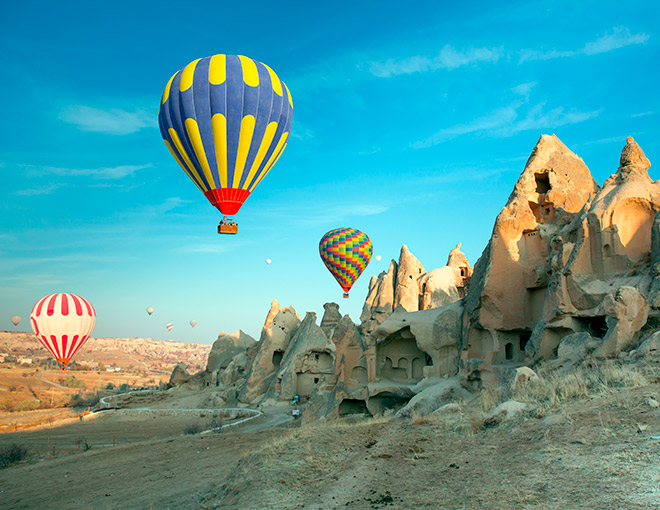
[[565, 257], [224, 349], [308, 362], [407, 281], [407, 284], [331, 318], [179, 375], [281, 324], [380, 299], [509, 282]]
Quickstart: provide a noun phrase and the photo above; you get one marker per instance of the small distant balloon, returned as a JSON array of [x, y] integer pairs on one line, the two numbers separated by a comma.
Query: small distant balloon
[[150, 310], [378, 257], [193, 323], [169, 326], [268, 261], [16, 320]]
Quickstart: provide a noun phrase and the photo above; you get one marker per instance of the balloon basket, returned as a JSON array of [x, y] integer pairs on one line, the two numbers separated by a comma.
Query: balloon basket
[[227, 226], [345, 295]]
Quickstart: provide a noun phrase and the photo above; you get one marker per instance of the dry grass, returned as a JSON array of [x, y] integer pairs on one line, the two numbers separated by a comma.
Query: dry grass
[[596, 378], [313, 430]]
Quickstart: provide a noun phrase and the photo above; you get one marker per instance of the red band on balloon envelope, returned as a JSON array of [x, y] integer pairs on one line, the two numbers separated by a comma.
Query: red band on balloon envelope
[[78, 305], [227, 200], [51, 305]]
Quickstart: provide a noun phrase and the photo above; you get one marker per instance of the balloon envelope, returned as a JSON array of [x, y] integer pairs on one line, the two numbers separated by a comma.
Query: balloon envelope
[[378, 257], [193, 323], [226, 120], [63, 323], [268, 261], [150, 310], [16, 319], [169, 326], [346, 252]]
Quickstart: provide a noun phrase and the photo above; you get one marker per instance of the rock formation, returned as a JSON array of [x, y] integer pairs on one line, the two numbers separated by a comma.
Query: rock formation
[[571, 271], [380, 299], [410, 271], [224, 349], [280, 326]]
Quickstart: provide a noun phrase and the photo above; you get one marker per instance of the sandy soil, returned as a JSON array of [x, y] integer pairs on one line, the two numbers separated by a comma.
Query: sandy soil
[[590, 456]]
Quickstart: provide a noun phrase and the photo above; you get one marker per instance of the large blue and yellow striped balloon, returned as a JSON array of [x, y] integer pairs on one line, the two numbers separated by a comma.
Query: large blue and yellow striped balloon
[[226, 120]]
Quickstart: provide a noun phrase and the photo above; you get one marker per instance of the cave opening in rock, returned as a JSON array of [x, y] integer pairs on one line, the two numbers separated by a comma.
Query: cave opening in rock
[[595, 326], [277, 357], [523, 339], [542, 183], [350, 406], [385, 401], [508, 351]]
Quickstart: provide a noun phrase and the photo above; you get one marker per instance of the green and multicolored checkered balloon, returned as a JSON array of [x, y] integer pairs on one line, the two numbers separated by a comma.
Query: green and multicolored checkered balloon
[[346, 252]]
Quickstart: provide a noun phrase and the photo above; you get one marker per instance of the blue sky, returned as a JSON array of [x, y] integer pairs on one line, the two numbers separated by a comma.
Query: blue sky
[[411, 123]]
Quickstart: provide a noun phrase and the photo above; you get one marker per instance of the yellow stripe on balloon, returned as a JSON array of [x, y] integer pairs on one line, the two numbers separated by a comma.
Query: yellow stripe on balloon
[[219, 125], [250, 73], [184, 156], [275, 80], [196, 139], [244, 141], [269, 134], [218, 69], [289, 93], [273, 158], [187, 76], [176, 157], [166, 93]]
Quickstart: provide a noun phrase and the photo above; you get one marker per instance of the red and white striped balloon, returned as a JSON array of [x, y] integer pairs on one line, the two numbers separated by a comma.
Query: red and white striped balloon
[[63, 323]]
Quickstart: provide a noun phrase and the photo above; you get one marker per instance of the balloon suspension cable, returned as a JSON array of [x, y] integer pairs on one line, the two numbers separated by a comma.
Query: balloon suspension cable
[[345, 295], [227, 226]]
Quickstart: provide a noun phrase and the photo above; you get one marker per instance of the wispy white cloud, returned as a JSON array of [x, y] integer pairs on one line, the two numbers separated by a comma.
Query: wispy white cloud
[[507, 121], [111, 173], [643, 114], [612, 139], [449, 58], [524, 89], [619, 37], [338, 213], [370, 151], [48, 189], [495, 119], [113, 121]]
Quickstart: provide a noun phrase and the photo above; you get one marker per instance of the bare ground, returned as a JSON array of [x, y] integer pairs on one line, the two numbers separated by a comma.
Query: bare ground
[[591, 457]]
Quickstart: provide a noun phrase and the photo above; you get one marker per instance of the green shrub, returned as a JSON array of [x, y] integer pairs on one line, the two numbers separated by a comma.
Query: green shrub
[[27, 405], [72, 382], [12, 454], [193, 428]]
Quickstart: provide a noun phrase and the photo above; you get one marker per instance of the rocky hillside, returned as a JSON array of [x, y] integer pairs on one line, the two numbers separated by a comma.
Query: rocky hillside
[[155, 355]]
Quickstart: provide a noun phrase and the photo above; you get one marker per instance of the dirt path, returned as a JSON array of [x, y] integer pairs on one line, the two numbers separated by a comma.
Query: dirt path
[[168, 471]]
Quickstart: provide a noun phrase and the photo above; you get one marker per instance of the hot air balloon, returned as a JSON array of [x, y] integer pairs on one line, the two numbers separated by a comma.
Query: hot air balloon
[[378, 257], [169, 326], [193, 323], [63, 323], [268, 261], [346, 252], [150, 310], [226, 120], [16, 319]]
